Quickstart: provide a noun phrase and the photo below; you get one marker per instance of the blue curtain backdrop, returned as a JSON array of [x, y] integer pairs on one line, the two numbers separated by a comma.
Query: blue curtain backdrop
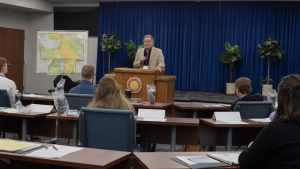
[[192, 36]]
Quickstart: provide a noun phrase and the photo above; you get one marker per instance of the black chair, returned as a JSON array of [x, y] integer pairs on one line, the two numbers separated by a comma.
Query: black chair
[[254, 109], [69, 84]]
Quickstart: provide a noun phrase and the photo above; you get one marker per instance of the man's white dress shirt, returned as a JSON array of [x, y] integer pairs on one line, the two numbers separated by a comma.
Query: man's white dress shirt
[[10, 87]]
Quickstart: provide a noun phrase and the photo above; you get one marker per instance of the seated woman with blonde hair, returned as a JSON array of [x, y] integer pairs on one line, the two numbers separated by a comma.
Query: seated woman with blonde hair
[[109, 95], [278, 144]]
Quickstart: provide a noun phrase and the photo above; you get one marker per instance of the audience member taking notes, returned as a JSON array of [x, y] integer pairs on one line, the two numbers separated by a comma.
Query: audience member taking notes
[[6, 83], [278, 144], [86, 86], [242, 90], [109, 95]]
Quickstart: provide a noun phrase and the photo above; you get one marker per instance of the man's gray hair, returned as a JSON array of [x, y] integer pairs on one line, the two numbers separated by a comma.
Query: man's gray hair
[[149, 37]]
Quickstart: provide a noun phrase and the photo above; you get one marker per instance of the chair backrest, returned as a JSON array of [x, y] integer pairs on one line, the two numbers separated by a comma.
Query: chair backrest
[[254, 109], [4, 98], [107, 129], [76, 101]]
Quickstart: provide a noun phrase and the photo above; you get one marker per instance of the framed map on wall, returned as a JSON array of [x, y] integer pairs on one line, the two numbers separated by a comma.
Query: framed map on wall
[[61, 52]]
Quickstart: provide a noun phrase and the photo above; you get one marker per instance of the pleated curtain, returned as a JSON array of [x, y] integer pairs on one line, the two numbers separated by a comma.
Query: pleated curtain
[[192, 37]]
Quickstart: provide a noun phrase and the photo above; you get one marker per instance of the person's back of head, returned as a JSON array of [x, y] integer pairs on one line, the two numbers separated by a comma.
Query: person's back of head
[[3, 62], [87, 72], [288, 98], [244, 85], [109, 95]]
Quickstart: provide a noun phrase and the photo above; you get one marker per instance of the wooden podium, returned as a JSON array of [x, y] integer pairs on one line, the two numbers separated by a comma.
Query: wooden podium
[[164, 84]]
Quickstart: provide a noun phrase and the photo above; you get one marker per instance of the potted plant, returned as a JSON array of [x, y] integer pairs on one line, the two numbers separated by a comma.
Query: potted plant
[[110, 43], [267, 49], [130, 50], [232, 55]]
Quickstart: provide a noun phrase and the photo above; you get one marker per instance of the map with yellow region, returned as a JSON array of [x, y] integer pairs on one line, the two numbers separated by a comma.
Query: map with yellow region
[[62, 67], [62, 46], [61, 52]]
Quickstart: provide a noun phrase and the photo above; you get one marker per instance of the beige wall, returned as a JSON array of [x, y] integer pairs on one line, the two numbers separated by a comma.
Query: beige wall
[[34, 82]]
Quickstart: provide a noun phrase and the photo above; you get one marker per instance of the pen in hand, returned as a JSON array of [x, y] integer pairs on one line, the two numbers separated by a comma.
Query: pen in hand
[[55, 148]]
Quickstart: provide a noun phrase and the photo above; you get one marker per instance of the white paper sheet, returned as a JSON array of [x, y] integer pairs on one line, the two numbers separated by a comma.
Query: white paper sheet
[[235, 122], [152, 113], [265, 120], [33, 95], [41, 108], [186, 160], [10, 110], [212, 105], [154, 119], [50, 152]]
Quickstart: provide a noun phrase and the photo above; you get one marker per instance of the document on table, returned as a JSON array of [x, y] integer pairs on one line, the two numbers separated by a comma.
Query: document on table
[[227, 158], [10, 110], [33, 95], [55, 151], [235, 122], [154, 119], [196, 159], [212, 105], [264, 120], [41, 108]]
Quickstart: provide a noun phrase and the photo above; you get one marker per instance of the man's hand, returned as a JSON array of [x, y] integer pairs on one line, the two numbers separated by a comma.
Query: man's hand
[[158, 68], [142, 59], [250, 144]]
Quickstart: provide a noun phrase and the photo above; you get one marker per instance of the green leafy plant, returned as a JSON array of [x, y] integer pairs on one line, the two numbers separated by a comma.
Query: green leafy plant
[[130, 49], [110, 43], [264, 80], [140, 46], [233, 54], [269, 48]]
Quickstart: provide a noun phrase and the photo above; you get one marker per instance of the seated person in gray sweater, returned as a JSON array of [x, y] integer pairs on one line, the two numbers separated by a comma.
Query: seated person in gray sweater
[[278, 144], [242, 90]]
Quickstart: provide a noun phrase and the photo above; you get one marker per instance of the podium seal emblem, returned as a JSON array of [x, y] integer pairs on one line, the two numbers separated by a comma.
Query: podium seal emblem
[[134, 84]]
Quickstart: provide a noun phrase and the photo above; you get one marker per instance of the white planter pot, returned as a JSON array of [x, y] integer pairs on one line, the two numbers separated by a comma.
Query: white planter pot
[[266, 89], [230, 88]]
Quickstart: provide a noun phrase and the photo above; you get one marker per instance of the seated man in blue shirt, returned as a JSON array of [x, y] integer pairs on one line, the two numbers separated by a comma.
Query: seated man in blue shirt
[[86, 86], [242, 90]]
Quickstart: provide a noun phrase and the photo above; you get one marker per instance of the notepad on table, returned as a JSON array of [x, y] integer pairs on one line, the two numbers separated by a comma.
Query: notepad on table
[[230, 158], [212, 105], [13, 146], [196, 162]]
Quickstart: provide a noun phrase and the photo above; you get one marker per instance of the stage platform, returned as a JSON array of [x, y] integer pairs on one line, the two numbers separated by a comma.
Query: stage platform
[[205, 97]]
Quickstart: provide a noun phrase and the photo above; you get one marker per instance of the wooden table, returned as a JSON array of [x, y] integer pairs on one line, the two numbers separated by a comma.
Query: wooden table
[[85, 158], [61, 117], [195, 110], [24, 116], [213, 133], [29, 100], [161, 160], [182, 131], [166, 106]]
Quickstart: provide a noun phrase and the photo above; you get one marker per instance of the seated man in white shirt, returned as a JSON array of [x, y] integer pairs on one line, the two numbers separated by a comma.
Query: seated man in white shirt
[[6, 83]]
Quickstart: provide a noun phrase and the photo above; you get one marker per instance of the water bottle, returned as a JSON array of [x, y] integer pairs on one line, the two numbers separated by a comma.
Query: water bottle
[[18, 96], [272, 96]]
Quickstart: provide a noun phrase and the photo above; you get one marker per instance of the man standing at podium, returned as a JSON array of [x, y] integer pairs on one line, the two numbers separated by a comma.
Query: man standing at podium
[[149, 57]]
